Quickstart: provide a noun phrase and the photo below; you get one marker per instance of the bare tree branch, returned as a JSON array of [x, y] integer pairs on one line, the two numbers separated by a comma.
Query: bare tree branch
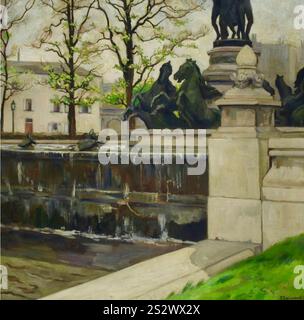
[[132, 23], [64, 38], [10, 85]]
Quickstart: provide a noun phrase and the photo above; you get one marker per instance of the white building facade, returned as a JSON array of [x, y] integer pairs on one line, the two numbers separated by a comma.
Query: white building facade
[[36, 113]]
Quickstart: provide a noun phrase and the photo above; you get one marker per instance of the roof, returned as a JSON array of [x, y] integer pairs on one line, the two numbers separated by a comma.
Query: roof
[[38, 67]]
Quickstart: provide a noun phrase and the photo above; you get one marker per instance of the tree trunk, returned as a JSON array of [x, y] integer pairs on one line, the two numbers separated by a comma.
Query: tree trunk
[[71, 114], [4, 83], [129, 96], [129, 79], [72, 121], [2, 108], [129, 68]]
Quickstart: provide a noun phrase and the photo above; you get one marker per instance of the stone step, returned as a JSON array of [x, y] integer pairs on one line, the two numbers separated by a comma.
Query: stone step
[[158, 277]]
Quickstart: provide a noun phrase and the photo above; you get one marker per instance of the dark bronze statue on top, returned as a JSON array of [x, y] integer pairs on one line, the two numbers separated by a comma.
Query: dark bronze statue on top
[[229, 14]]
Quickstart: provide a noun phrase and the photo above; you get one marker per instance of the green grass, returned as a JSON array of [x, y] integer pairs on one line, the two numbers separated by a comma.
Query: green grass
[[268, 276]]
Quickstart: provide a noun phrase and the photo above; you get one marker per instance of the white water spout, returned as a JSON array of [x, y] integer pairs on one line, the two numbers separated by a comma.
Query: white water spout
[[8, 185], [19, 172], [126, 191], [162, 223], [74, 189]]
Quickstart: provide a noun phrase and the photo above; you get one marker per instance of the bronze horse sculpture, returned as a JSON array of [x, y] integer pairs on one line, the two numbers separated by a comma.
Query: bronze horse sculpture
[[192, 98], [149, 106], [165, 107], [231, 14], [292, 101]]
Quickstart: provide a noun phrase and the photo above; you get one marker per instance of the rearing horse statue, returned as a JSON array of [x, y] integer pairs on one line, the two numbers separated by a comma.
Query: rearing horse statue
[[156, 106], [292, 102], [192, 95], [163, 107]]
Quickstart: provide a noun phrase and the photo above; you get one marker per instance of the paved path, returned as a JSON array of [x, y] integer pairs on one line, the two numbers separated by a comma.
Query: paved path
[[158, 277]]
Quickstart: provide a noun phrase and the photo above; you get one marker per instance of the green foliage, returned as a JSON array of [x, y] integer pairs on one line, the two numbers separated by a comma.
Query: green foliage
[[156, 32], [17, 81], [117, 95], [267, 276], [70, 43], [5, 36], [85, 91]]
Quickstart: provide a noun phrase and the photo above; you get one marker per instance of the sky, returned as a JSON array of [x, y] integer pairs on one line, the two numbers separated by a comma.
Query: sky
[[274, 20]]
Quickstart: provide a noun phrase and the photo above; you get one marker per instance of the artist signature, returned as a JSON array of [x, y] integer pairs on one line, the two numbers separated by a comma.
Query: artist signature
[[291, 298]]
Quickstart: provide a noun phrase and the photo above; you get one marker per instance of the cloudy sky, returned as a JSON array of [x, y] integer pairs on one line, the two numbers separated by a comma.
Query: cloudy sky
[[274, 20]]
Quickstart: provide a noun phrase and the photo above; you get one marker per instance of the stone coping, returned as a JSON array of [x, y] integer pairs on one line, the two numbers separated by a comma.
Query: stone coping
[[290, 129], [287, 153], [44, 141], [245, 101], [67, 141], [286, 143]]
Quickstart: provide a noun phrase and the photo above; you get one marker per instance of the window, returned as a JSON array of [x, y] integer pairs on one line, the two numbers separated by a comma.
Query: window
[[54, 127], [56, 107], [28, 105], [85, 109]]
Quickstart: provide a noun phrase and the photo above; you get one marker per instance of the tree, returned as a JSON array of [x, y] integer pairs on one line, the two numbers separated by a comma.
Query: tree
[[67, 36], [133, 27], [11, 80], [116, 96]]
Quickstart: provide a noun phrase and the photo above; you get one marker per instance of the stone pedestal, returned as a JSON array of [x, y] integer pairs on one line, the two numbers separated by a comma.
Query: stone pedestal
[[222, 64], [238, 155], [283, 189]]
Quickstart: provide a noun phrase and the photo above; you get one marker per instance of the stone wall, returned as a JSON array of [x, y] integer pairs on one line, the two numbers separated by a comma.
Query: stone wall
[[256, 186], [283, 188], [256, 171]]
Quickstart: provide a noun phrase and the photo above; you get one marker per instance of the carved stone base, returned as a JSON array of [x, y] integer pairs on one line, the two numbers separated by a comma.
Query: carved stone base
[[222, 64]]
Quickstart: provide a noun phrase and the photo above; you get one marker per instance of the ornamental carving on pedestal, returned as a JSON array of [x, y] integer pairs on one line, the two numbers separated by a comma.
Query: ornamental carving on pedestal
[[247, 78], [247, 75]]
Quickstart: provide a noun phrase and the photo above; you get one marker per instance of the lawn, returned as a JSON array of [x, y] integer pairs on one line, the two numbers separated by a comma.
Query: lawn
[[268, 276]]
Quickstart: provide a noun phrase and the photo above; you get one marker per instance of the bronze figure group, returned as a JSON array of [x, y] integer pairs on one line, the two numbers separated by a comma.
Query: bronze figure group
[[232, 14]]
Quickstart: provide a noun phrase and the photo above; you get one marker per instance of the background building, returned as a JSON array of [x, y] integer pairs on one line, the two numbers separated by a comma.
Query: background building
[[111, 116], [36, 113], [280, 58]]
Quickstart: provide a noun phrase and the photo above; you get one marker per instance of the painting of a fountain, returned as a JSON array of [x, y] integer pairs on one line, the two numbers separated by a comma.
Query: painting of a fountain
[[147, 146]]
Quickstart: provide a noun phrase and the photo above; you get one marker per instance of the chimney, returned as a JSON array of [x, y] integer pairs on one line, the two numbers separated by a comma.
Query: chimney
[[18, 55]]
